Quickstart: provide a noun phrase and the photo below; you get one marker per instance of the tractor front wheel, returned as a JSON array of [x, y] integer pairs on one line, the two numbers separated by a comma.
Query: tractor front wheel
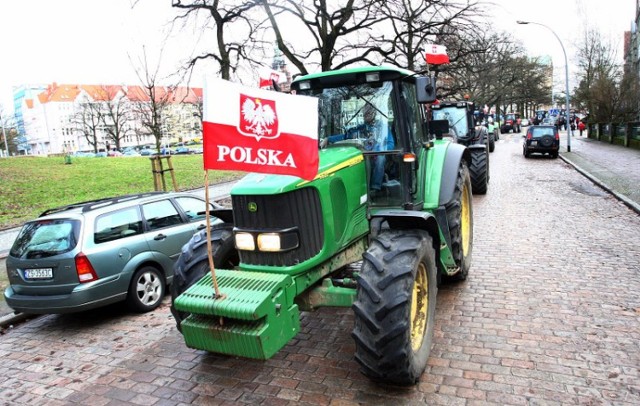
[[479, 171], [193, 262], [395, 306]]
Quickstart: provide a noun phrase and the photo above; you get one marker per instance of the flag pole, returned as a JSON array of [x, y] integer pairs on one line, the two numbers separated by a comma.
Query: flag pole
[[217, 294]]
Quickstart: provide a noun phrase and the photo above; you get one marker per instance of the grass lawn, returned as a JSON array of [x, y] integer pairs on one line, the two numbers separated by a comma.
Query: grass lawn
[[30, 185]]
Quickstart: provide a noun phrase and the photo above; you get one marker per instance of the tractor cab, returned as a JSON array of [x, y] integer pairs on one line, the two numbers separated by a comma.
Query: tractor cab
[[375, 111]]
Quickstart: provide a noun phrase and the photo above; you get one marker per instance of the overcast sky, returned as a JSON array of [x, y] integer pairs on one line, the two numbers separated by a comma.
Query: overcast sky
[[92, 41]]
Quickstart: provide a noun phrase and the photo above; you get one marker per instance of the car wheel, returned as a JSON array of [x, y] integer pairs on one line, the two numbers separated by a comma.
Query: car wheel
[[146, 289], [193, 262], [525, 152], [554, 155]]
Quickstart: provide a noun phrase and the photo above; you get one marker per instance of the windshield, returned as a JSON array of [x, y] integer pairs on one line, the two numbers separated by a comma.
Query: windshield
[[456, 117], [358, 115]]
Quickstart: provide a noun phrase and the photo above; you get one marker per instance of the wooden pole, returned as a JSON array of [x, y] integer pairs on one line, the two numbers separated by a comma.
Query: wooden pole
[[217, 294]]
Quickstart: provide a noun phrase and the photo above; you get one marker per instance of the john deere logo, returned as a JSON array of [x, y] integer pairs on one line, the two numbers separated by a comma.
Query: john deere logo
[[252, 207]]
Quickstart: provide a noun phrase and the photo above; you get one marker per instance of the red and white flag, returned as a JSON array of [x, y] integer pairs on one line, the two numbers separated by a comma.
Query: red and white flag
[[268, 76], [256, 130], [436, 54]]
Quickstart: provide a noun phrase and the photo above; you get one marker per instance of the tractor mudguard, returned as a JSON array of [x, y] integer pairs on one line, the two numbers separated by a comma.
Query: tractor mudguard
[[455, 153], [407, 219]]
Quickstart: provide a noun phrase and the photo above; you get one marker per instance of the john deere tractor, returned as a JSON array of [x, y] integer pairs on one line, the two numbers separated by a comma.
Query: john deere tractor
[[386, 219], [463, 128]]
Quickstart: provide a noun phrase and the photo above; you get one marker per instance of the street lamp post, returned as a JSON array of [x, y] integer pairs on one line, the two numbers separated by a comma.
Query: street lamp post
[[566, 72]]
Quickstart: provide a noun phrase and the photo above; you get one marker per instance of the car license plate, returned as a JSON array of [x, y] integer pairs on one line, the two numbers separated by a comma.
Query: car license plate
[[41, 273], [534, 143]]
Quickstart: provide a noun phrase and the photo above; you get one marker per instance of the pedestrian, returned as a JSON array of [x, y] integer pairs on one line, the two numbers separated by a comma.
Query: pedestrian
[[581, 127]]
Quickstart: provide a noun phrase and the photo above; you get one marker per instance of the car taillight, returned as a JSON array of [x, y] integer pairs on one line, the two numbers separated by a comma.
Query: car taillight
[[528, 135], [557, 136], [85, 270]]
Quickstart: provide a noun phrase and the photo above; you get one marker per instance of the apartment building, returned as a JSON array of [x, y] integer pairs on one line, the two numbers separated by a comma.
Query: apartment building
[[53, 123]]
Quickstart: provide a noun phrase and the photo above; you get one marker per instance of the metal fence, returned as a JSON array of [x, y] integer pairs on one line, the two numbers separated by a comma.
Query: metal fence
[[625, 134]]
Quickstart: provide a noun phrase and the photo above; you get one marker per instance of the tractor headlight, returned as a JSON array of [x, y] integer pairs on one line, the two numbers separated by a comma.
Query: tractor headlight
[[269, 242], [245, 242], [273, 241]]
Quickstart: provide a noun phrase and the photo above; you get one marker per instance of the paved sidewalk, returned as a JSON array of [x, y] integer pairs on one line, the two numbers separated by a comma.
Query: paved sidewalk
[[613, 167]]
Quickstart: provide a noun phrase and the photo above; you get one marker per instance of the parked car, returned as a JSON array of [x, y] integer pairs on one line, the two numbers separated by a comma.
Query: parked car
[[182, 151], [90, 254], [544, 139]]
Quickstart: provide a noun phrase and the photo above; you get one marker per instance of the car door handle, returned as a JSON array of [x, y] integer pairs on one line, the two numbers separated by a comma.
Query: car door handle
[[160, 237], [201, 227]]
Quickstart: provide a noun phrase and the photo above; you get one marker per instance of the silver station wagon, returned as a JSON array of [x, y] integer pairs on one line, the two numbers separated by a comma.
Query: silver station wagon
[[90, 254]]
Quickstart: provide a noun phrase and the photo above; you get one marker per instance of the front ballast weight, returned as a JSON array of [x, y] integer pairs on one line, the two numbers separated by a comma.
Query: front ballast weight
[[255, 319]]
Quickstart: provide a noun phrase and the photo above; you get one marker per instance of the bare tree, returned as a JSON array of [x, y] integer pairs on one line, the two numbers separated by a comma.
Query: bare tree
[[407, 26], [150, 107], [332, 35], [236, 35], [603, 90], [8, 135], [88, 121], [117, 115]]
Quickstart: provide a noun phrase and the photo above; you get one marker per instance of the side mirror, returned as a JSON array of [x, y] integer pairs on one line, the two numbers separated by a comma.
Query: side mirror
[[425, 89]]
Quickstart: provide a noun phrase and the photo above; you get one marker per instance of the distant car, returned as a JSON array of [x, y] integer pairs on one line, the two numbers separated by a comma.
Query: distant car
[[101, 154], [544, 139], [182, 151], [525, 122], [148, 152], [91, 254], [131, 152], [114, 152]]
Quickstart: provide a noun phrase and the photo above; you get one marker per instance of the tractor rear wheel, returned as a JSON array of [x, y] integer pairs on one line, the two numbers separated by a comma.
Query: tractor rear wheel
[[479, 171], [395, 306], [193, 263], [492, 142], [460, 219]]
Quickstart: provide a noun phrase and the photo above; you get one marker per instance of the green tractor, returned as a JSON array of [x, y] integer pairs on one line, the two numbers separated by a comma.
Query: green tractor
[[462, 126], [386, 219]]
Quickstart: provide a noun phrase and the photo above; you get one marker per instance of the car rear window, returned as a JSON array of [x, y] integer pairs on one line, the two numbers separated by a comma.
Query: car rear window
[[538, 132], [46, 238]]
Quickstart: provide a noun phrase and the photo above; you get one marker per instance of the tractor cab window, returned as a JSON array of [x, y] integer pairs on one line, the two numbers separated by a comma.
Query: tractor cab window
[[359, 116], [362, 116]]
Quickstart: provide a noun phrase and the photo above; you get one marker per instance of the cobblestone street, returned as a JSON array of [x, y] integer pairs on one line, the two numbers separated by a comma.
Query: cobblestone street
[[550, 314]]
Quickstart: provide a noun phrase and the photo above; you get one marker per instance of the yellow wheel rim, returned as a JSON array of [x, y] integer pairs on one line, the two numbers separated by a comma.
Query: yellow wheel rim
[[465, 221], [419, 306]]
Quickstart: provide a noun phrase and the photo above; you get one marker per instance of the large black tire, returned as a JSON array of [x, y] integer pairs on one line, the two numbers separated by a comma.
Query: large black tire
[[479, 171], [395, 306], [460, 219], [146, 289], [193, 262], [492, 143]]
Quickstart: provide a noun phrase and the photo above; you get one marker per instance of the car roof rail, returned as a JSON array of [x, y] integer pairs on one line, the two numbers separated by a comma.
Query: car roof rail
[[98, 203]]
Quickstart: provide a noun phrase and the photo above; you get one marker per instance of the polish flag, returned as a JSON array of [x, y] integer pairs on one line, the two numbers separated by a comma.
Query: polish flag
[[268, 76], [436, 54], [256, 130]]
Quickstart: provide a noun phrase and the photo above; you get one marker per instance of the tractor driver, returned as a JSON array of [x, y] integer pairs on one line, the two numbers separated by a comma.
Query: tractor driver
[[377, 133]]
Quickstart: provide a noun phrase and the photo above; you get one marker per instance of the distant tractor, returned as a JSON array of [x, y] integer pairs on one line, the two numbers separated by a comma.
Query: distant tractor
[[461, 126], [387, 218]]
